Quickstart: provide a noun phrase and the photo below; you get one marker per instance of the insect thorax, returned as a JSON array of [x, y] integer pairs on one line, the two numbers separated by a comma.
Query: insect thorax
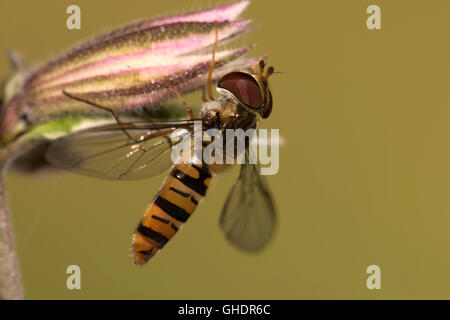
[[226, 113]]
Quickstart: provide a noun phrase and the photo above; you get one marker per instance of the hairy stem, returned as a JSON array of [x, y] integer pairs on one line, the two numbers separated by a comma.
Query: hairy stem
[[10, 279], [10, 282]]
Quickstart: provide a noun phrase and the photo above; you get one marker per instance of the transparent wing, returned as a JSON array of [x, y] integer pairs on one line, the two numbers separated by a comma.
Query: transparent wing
[[107, 152], [248, 217]]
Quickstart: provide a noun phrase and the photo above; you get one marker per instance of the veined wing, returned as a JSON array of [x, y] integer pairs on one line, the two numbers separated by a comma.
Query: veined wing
[[128, 151], [248, 217]]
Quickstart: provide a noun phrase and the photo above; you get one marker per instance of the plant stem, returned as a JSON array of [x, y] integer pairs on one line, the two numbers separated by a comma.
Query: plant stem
[[10, 279]]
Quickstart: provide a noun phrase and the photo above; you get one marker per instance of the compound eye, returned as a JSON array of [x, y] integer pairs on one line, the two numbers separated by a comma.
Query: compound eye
[[268, 111], [244, 88]]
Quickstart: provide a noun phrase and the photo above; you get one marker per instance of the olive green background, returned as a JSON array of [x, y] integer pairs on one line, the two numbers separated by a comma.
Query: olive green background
[[364, 174]]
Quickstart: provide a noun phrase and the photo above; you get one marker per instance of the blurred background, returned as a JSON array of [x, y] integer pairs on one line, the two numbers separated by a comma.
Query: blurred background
[[364, 174]]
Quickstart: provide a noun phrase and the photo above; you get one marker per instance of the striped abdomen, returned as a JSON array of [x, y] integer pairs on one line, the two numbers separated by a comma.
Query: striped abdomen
[[176, 201]]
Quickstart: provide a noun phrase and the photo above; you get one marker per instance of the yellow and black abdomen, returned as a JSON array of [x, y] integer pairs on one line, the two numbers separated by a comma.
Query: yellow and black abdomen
[[176, 201]]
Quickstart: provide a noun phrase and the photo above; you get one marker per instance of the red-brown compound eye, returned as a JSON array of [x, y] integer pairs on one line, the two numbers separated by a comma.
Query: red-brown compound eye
[[268, 110], [243, 87]]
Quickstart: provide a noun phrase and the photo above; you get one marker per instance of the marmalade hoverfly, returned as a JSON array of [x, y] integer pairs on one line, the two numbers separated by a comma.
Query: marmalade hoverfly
[[137, 150]]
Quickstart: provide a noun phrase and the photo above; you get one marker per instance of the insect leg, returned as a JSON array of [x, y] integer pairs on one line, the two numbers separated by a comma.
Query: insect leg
[[93, 104], [204, 97], [189, 110], [211, 67]]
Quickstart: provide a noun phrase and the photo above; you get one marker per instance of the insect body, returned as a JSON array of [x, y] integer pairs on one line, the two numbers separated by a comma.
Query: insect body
[[127, 151], [187, 183], [174, 204]]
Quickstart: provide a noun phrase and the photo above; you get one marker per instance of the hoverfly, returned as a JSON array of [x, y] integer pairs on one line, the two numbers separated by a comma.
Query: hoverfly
[[137, 150]]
